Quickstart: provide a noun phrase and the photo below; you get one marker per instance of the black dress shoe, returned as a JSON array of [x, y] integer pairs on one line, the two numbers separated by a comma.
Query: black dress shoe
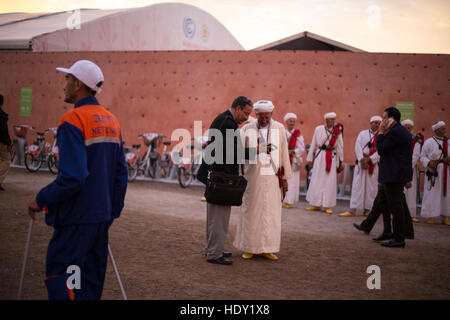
[[358, 226], [383, 237], [394, 244], [225, 254], [1, 188], [221, 260]]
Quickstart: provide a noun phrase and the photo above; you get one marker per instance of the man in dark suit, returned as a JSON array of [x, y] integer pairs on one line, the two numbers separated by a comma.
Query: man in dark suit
[[380, 208], [218, 216], [394, 145]]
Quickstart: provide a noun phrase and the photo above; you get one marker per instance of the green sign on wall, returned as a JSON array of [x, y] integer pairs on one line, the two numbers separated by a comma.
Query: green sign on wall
[[406, 109], [26, 95]]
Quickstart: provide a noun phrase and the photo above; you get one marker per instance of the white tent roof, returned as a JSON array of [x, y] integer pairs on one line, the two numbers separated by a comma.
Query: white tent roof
[[18, 29], [155, 27]]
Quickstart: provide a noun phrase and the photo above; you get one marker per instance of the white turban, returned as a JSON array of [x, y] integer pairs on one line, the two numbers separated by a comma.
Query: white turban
[[407, 121], [330, 115], [290, 115], [263, 106], [438, 125], [376, 118]]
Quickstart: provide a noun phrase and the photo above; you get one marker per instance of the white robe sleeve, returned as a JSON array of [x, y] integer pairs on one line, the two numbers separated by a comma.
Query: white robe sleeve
[[299, 148], [375, 158], [359, 146], [312, 148], [340, 149], [284, 156], [416, 154], [425, 154]]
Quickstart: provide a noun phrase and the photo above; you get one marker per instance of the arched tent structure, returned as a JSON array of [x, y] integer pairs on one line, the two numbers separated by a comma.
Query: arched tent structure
[[165, 26]]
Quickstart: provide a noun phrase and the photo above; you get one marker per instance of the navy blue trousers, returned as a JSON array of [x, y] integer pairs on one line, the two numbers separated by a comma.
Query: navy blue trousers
[[84, 246]]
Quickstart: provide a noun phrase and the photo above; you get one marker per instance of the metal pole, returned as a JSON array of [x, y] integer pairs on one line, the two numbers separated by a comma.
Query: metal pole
[[117, 273], [25, 258]]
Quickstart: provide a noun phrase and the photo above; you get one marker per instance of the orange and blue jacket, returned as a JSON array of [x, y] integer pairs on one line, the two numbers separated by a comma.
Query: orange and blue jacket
[[92, 172]]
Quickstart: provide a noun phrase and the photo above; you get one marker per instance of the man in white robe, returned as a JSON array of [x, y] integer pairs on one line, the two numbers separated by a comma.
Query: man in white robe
[[411, 193], [325, 157], [259, 227], [435, 158], [365, 175], [296, 147]]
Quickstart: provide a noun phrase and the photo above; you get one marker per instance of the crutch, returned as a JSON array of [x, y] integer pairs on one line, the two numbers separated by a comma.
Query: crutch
[[117, 273], [25, 258]]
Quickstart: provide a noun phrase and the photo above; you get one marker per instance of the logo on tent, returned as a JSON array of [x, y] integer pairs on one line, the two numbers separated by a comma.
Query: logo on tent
[[189, 27]]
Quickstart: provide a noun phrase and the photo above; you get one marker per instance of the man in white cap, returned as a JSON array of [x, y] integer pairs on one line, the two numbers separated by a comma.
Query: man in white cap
[[411, 193], [365, 176], [89, 191], [435, 158], [296, 146], [325, 156], [259, 227]]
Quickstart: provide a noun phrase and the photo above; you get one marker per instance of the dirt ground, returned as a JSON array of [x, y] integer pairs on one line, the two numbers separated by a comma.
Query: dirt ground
[[158, 246]]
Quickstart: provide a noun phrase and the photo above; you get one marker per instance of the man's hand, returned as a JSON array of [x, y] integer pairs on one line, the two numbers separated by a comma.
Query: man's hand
[[340, 169], [285, 185], [309, 164], [446, 160], [432, 165], [385, 126], [33, 208], [9, 148], [365, 163], [408, 185]]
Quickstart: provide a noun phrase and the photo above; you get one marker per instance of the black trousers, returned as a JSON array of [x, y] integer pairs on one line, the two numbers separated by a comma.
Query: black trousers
[[382, 205]]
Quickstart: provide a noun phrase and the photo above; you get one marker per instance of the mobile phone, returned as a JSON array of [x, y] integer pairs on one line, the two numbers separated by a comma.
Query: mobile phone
[[390, 121]]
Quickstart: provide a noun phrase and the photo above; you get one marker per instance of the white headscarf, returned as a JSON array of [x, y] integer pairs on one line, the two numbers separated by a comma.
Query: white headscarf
[[290, 115], [263, 106], [438, 125], [407, 121], [330, 115], [376, 118]]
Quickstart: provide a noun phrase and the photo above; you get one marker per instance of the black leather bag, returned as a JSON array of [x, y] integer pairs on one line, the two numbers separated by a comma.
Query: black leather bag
[[225, 189]]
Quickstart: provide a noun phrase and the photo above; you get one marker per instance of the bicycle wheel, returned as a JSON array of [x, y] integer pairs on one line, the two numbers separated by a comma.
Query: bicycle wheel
[[184, 177], [52, 164], [132, 172], [32, 163], [163, 168], [153, 166]]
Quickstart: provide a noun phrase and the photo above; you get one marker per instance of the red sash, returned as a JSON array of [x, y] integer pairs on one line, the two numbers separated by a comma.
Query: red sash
[[337, 130], [293, 142], [372, 151], [445, 166]]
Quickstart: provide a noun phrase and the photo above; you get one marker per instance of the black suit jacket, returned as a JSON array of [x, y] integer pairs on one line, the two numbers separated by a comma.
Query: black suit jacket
[[223, 122], [395, 150], [4, 135]]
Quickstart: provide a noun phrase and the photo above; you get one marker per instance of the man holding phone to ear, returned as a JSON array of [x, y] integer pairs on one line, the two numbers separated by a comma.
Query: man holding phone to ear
[[394, 145]]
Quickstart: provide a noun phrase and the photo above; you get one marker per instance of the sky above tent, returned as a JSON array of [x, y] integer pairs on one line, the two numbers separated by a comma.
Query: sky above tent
[[419, 26]]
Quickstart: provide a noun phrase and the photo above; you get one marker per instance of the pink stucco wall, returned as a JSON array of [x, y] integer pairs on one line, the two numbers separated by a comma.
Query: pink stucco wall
[[161, 91]]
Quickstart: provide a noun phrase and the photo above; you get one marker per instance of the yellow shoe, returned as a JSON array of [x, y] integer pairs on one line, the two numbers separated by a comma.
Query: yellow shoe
[[270, 256], [446, 222], [366, 213], [313, 208], [346, 214], [203, 199], [247, 255], [328, 210], [414, 219], [287, 206], [430, 221]]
